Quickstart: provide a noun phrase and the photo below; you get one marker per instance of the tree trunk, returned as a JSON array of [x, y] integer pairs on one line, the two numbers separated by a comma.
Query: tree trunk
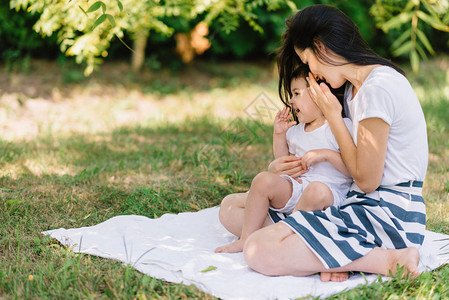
[[138, 56]]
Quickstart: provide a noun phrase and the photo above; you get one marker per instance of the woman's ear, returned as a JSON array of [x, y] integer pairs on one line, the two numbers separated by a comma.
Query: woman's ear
[[320, 46]]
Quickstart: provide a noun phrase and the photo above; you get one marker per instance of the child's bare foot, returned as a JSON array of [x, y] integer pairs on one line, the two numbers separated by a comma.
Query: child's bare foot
[[407, 258], [234, 247], [334, 276]]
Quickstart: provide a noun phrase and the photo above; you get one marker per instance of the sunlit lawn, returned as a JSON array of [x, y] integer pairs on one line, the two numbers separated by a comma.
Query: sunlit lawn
[[75, 152]]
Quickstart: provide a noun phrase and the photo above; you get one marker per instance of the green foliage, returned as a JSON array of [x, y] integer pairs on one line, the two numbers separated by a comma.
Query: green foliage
[[19, 41], [68, 20], [85, 28], [243, 42], [417, 17]]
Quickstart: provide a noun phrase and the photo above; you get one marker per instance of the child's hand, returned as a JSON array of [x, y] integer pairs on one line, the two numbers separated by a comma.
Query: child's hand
[[289, 165], [312, 157], [282, 121]]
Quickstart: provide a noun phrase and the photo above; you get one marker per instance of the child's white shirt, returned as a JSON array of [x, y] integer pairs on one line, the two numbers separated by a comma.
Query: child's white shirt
[[300, 141]]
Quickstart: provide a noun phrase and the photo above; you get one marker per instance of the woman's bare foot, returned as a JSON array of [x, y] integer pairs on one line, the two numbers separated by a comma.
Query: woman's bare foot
[[407, 258], [234, 247], [334, 276]]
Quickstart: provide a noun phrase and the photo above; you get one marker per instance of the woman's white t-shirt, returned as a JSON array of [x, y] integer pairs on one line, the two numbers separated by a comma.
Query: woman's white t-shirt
[[387, 94]]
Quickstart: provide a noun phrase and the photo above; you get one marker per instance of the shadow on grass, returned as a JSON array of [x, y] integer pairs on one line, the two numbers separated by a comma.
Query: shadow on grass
[[82, 180], [43, 78]]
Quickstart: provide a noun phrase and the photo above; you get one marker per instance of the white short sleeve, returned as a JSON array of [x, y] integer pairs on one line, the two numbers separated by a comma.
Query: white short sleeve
[[375, 102], [330, 136]]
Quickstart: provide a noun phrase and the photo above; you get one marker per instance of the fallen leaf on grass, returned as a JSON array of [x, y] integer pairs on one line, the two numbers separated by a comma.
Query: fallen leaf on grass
[[208, 269]]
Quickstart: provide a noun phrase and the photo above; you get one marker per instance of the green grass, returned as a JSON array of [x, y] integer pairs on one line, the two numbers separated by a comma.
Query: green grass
[[192, 145]]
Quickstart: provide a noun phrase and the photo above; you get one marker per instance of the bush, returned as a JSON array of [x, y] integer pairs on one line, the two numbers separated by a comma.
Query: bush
[[19, 40], [243, 41]]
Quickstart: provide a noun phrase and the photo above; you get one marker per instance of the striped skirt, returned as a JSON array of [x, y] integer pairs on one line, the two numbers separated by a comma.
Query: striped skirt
[[391, 217]]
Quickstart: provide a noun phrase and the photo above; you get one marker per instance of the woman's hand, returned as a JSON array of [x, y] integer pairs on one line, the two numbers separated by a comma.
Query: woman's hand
[[289, 165], [324, 99], [282, 121]]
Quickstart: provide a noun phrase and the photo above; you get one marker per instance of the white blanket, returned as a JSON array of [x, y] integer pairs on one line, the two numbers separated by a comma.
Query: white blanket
[[180, 248]]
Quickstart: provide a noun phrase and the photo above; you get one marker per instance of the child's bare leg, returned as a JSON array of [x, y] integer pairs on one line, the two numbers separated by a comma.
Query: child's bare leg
[[267, 188], [232, 212], [318, 196]]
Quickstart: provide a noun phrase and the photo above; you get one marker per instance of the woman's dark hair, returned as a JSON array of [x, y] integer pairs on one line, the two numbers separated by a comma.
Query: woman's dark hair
[[334, 30]]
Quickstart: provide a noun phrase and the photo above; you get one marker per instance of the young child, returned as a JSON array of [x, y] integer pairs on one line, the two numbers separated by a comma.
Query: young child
[[326, 181]]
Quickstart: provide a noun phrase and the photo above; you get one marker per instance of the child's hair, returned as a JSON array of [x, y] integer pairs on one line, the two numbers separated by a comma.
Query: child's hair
[[302, 71]]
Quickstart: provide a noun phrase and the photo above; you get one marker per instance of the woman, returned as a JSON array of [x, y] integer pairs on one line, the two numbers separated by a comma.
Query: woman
[[381, 224]]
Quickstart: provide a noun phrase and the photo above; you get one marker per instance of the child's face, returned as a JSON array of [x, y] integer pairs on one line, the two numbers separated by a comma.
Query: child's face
[[303, 106]]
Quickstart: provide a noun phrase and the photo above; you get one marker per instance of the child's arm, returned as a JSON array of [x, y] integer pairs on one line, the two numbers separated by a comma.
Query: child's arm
[[280, 147], [281, 125], [314, 156]]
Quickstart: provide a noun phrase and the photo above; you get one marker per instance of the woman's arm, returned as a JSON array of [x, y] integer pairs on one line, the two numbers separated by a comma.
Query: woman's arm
[[366, 161], [372, 139]]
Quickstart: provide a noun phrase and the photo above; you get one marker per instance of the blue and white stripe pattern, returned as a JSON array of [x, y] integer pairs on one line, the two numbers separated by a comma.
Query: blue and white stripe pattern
[[391, 217]]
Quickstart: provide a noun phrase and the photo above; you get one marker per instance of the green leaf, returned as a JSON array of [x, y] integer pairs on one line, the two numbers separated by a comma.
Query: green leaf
[[120, 5], [414, 60], [405, 48], [292, 6], [208, 269], [410, 5], [129, 48], [94, 6], [421, 51], [397, 21], [446, 18], [110, 19], [100, 20], [401, 39], [430, 9], [422, 37], [434, 22]]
